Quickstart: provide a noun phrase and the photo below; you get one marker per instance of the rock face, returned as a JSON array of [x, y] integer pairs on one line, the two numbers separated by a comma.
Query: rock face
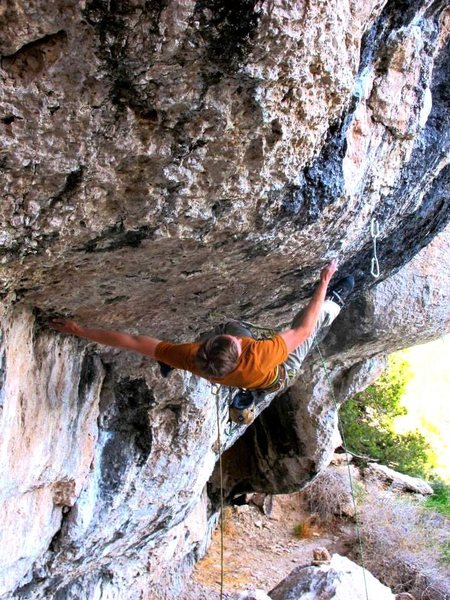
[[167, 164]]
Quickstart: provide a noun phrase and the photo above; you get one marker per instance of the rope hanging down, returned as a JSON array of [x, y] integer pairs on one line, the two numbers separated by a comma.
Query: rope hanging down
[[264, 333], [216, 392], [358, 529]]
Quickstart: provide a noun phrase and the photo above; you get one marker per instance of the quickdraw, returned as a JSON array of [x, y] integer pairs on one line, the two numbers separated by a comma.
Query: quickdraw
[[375, 233]]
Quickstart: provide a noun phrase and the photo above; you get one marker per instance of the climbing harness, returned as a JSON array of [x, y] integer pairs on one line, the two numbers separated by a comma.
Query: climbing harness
[[357, 524], [261, 333], [242, 408], [375, 233]]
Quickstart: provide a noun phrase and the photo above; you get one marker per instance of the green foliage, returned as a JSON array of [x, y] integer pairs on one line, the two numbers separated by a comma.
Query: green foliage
[[440, 500], [367, 422]]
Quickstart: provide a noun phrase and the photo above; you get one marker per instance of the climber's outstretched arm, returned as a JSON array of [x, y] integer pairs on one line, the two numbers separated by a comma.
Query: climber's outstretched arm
[[304, 322], [139, 343]]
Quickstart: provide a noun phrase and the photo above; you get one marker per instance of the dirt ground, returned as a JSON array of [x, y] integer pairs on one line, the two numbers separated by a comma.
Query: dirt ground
[[261, 550]]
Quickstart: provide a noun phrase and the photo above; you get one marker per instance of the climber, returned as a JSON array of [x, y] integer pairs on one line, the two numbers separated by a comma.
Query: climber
[[229, 355]]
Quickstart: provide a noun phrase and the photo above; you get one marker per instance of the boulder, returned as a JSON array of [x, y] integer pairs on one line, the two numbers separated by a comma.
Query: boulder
[[398, 481], [340, 579]]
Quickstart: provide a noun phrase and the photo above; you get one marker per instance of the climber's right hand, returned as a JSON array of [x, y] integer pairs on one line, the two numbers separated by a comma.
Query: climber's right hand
[[328, 272]]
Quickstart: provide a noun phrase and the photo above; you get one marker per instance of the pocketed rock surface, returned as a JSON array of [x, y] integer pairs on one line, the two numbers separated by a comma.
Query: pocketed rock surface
[[166, 165]]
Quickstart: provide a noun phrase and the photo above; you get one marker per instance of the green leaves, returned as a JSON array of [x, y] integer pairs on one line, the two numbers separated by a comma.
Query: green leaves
[[440, 501], [367, 421]]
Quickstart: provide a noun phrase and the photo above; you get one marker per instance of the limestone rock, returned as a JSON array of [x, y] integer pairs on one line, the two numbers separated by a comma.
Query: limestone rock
[[399, 481], [263, 501], [341, 578], [165, 166], [49, 414]]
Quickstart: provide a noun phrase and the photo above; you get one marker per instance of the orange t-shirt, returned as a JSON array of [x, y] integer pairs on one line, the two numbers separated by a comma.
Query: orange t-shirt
[[256, 369]]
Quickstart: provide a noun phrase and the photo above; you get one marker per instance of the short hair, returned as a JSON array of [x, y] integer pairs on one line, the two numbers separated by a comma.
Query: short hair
[[217, 356]]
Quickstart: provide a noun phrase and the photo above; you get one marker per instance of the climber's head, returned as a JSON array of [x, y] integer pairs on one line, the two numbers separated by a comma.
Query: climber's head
[[218, 355]]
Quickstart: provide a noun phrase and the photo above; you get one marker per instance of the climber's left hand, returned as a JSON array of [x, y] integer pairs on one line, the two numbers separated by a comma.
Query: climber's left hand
[[65, 326]]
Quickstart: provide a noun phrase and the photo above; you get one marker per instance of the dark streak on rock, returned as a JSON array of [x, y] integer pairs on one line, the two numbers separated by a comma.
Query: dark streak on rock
[[321, 184], [115, 462], [130, 432], [72, 183], [116, 299], [227, 26], [116, 237], [85, 585], [395, 15], [110, 19], [26, 591], [134, 394], [88, 372]]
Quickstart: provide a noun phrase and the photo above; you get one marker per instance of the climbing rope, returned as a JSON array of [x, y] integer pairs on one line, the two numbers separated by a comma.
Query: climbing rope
[[267, 332], [375, 233], [358, 528], [216, 392]]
